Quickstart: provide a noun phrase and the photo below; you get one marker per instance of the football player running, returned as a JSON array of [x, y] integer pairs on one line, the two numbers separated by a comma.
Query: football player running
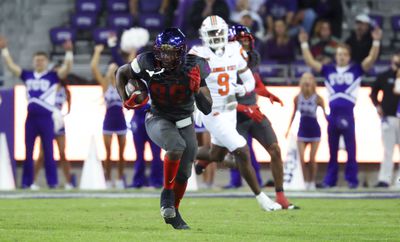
[[227, 61], [175, 80]]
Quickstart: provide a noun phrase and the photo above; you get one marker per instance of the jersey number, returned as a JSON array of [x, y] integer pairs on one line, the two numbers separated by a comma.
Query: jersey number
[[175, 93], [223, 82]]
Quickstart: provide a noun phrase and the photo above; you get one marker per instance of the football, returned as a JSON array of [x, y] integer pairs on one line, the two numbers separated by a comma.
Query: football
[[138, 88]]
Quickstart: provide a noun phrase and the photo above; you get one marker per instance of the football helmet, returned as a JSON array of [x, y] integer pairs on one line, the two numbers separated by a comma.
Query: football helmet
[[214, 32]]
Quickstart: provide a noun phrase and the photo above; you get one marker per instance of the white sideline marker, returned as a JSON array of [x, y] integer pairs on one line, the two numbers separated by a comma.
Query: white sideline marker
[[92, 177], [192, 182], [7, 182]]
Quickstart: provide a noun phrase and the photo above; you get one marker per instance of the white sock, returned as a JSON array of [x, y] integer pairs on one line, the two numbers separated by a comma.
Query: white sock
[[262, 197]]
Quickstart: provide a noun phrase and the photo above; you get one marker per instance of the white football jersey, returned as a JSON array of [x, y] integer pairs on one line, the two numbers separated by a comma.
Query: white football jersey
[[224, 70]]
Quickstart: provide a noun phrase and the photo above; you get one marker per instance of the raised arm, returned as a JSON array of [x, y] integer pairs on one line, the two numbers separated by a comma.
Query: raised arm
[[369, 61], [66, 67], [112, 44], [293, 115], [14, 68], [94, 66], [307, 55]]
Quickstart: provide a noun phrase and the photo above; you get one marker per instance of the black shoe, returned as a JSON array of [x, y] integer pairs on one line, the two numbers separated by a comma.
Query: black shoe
[[381, 185], [199, 169], [177, 222], [167, 202]]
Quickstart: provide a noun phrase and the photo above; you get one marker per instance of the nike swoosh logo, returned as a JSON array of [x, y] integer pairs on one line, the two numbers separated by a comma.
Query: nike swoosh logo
[[151, 73], [171, 181]]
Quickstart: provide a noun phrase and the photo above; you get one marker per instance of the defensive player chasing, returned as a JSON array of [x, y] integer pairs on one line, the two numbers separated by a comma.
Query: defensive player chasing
[[227, 61], [251, 122], [175, 80], [342, 81]]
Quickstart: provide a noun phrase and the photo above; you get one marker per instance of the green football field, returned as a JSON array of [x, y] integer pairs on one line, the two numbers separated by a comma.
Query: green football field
[[211, 219]]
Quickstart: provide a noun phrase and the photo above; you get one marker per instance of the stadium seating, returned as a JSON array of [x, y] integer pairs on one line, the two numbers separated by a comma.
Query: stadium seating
[[154, 22], [117, 6], [83, 21], [88, 6], [100, 35], [120, 21], [152, 6], [377, 20], [58, 36], [297, 68]]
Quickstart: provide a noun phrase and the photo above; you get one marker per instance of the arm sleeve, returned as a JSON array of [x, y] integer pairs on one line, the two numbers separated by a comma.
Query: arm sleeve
[[202, 103], [248, 80], [260, 88]]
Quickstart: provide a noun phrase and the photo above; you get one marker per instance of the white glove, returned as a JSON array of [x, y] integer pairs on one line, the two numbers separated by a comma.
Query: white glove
[[240, 90]]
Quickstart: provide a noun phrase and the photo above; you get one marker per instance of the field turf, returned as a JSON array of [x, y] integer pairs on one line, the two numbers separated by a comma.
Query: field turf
[[211, 219]]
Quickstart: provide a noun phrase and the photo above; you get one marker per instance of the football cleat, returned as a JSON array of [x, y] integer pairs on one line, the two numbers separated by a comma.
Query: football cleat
[[267, 204], [200, 166], [167, 202], [177, 222]]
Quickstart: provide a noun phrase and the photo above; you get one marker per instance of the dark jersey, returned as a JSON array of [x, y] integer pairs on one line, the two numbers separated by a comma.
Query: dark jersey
[[169, 91], [250, 98]]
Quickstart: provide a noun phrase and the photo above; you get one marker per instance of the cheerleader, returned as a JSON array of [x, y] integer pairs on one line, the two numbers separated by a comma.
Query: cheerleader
[[307, 102], [114, 120]]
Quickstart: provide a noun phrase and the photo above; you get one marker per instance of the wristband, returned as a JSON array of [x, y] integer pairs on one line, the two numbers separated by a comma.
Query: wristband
[[112, 42], [5, 52], [69, 56], [376, 43], [304, 45]]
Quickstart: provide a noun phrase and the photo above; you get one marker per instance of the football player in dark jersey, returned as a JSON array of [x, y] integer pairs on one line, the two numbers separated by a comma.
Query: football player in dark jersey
[[175, 81]]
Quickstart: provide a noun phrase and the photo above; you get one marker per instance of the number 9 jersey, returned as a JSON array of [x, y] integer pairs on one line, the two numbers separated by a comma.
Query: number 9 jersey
[[224, 67]]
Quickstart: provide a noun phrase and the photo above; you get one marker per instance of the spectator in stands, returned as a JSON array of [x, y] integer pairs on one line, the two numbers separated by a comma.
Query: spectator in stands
[[360, 40], [41, 87], [280, 9], [167, 9], [280, 47], [332, 11], [244, 15], [304, 17], [203, 8], [323, 44], [390, 125], [246, 19]]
